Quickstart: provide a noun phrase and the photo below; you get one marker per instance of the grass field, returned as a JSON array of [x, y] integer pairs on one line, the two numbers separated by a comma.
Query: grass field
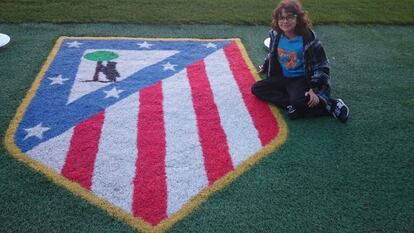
[[327, 177], [239, 12]]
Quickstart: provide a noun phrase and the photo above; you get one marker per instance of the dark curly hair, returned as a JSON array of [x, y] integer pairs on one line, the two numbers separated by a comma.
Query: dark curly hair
[[294, 7]]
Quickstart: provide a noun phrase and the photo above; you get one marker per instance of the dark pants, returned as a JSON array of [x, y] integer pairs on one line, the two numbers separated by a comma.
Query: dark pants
[[283, 91]]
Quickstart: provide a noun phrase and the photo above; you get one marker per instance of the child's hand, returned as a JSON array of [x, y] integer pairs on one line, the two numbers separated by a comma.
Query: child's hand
[[313, 98]]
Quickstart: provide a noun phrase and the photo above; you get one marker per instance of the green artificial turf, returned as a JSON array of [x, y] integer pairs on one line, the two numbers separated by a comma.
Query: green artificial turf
[[327, 177], [250, 12]]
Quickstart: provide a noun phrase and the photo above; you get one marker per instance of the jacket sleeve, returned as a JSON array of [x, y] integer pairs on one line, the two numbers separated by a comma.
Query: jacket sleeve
[[264, 67], [320, 79]]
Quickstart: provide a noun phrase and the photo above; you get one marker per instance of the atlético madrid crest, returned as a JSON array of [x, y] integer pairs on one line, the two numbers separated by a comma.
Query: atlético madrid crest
[[147, 129]]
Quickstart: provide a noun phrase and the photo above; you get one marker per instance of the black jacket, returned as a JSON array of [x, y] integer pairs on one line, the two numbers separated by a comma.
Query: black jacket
[[315, 61]]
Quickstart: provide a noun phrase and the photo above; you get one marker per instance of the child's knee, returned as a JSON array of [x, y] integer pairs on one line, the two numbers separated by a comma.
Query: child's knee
[[257, 88], [300, 103]]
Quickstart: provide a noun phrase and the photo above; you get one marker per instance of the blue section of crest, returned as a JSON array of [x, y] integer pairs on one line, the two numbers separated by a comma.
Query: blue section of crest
[[49, 105]]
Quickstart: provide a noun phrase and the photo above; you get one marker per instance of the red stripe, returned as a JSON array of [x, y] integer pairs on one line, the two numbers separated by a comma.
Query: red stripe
[[217, 160], [150, 187], [84, 144], [262, 116]]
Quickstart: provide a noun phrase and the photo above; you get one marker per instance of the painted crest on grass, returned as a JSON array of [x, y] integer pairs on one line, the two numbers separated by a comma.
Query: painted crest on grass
[[145, 128]]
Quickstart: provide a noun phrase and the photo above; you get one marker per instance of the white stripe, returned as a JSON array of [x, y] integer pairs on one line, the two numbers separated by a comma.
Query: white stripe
[[184, 159], [52, 153], [242, 137], [115, 161]]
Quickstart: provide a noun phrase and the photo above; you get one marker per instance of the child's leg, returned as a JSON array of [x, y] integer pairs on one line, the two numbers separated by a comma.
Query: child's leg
[[296, 90], [272, 90]]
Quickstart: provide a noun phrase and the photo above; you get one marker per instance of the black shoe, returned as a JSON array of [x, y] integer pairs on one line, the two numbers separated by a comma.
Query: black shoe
[[341, 111], [292, 112]]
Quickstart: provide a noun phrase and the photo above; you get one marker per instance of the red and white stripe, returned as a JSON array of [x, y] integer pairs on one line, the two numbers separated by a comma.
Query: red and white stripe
[[153, 151], [184, 162], [234, 116], [115, 161], [150, 188]]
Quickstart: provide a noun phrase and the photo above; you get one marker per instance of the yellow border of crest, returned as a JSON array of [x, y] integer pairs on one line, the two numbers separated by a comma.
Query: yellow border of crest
[[135, 222]]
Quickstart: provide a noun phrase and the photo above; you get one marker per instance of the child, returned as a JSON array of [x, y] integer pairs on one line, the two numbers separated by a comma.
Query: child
[[297, 67]]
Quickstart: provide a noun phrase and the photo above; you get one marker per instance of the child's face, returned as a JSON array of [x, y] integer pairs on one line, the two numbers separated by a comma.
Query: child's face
[[287, 21]]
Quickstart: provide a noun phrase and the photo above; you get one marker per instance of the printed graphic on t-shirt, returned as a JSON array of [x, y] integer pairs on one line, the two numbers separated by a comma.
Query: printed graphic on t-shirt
[[288, 60]]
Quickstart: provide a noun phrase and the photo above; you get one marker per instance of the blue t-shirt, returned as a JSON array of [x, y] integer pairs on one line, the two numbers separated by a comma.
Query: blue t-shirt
[[290, 56]]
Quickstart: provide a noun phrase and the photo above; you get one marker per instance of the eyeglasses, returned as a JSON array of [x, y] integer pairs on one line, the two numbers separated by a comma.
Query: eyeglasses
[[288, 18]]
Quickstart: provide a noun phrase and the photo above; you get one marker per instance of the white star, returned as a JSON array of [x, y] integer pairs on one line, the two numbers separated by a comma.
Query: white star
[[169, 66], [113, 93], [210, 45], [36, 131], [58, 80], [145, 45], [73, 44]]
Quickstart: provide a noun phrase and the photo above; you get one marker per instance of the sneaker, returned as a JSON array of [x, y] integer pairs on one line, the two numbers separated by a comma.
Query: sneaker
[[341, 111], [292, 113]]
